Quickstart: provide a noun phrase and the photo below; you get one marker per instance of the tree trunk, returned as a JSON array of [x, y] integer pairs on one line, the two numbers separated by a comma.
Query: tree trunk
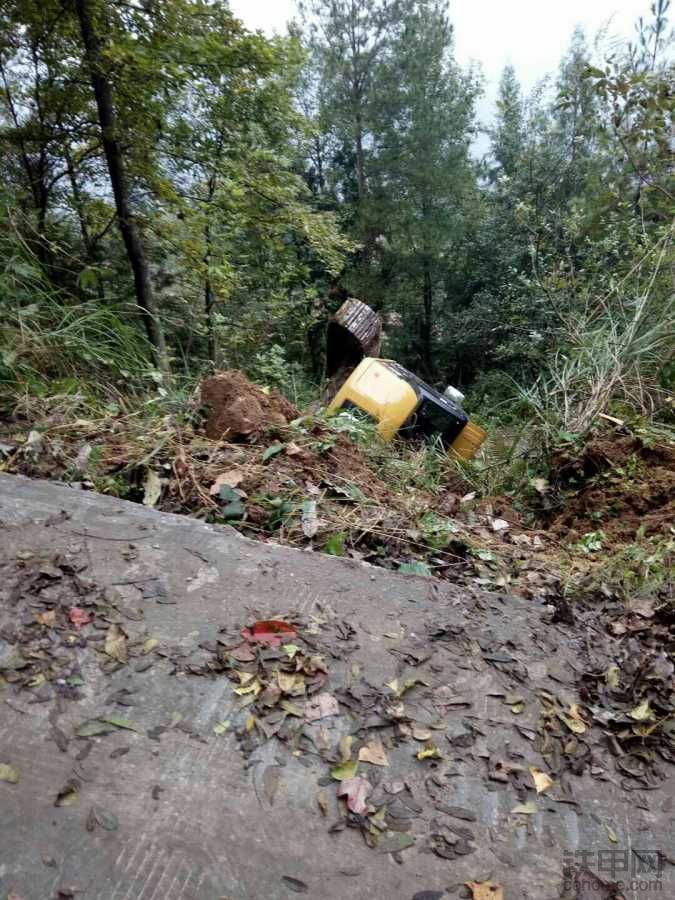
[[209, 301], [427, 320], [119, 182]]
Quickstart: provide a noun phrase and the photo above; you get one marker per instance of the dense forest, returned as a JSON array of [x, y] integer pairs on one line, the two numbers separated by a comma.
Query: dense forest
[[178, 194]]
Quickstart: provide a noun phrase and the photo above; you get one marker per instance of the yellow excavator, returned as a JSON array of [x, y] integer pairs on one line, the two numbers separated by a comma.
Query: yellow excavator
[[402, 404]]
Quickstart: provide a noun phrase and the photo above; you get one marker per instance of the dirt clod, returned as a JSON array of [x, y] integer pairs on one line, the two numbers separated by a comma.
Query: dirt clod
[[238, 410]]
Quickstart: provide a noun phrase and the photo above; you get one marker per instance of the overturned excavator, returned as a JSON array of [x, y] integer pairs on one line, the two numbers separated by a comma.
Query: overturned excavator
[[396, 400]]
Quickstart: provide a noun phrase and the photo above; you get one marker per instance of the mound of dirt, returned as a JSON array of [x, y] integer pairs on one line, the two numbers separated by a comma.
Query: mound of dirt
[[615, 485], [238, 410]]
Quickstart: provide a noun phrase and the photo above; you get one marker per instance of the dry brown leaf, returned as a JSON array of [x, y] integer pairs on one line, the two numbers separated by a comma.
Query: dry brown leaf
[[231, 477], [485, 890], [346, 748], [320, 707], [420, 733], [323, 803], [46, 618], [373, 753], [116, 643], [542, 781]]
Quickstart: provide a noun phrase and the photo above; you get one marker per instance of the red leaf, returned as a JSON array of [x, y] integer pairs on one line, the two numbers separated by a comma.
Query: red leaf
[[78, 616], [270, 631]]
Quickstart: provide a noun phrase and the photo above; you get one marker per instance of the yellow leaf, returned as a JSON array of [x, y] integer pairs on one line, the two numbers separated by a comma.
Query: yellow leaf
[[37, 681], [485, 890], [250, 724], [249, 686], [526, 809], [291, 683], [292, 709], [221, 727], [150, 645], [642, 712], [373, 753], [290, 649], [431, 751], [612, 835], [517, 708], [612, 676], [542, 781], [573, 720]]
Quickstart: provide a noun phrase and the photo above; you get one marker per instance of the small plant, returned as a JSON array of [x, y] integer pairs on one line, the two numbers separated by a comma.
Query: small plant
[[592, 541]]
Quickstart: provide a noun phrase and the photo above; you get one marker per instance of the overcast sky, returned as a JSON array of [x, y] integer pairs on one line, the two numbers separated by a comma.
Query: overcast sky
[[530, 34]]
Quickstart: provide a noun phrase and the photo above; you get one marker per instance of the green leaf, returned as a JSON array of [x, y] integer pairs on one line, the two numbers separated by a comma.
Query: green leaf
[[345, 770], [335, 545], [91, 728], [120, 722], [414, 568], [271, 451]]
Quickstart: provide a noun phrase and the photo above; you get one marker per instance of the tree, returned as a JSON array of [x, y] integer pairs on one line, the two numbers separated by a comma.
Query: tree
[[94, 23], [423, 170]]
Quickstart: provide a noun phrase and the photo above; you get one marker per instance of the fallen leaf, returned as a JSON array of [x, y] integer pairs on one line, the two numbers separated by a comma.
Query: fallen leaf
[[612, 676], [642, 712], [355, 790], [346, 748], [295, 884], [293, 449], [150, 645], [394, 842], [231, 477], [46, 618], [116, 643], [79, 616], [98, 815], [499, 525], [91, 728], [272, 451], [9, 773], [69, 795], [221, 727], [287, 681], [542, 781], [526, 809], [373, 753], [242, 653], [323, 803], [573, 720], [345, 771], [119, 722], [290, 650], [152, 488], [485, 890], [431, 751], [421, 734], [400, 687], [292, 708], [612, 835], [321, 706], [270, 631]]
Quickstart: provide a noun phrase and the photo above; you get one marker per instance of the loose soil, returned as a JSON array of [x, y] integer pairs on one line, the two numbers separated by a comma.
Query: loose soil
[[616, 485]]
